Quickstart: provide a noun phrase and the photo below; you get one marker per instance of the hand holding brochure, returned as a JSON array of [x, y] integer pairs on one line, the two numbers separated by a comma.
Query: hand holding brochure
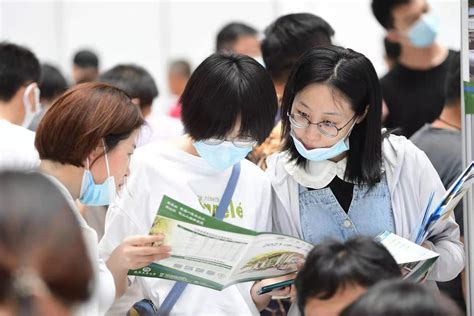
[[445, 207], [413, 260], [216, 254]]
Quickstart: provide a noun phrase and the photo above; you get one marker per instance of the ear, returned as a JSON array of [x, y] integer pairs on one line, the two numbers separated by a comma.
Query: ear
[[136, 101], [393, 36], [96, 153], [362, 117]]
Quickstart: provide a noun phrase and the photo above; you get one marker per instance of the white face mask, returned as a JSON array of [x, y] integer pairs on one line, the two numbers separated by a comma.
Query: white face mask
[[29, 113]]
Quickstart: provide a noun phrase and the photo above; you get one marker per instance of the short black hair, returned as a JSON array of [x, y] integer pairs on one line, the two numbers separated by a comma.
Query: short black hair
[[134, 80], [401, 298], [333, 265], [86, 59], [353, 76], [181, 67], [52, 83], [453, 80], [230, 33], [288, 37], [224, 88], [18, 67], [382, 10]]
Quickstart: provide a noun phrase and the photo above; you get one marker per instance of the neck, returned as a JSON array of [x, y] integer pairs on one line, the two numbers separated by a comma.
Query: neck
[[185, 143], [422, 58], [450, 118], [70, 176], [9, 113]]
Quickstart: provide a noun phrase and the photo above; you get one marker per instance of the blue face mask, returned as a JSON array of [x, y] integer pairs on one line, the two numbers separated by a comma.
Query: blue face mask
[[97, 194], [221, 156], [423, 32], [321, 154]]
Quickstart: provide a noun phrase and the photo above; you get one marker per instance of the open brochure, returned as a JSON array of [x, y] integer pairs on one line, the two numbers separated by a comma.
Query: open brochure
[[414, 260], [211, 253], [445, 207]]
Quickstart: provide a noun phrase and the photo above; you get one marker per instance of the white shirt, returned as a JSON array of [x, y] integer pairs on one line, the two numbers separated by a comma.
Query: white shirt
[[103, 294], [159, 169], [17, 148]]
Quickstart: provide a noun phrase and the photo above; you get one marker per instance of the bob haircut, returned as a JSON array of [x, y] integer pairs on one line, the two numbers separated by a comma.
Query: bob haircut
[[402, 298], [224, 89], [40, 234], [349, 75], [79, 119], [333, 265]]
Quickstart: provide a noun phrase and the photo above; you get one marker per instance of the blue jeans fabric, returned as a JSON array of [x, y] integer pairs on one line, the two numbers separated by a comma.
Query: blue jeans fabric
[[322, 217]]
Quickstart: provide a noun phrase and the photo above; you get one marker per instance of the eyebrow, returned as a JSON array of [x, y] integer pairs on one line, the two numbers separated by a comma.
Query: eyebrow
[[325, 113]]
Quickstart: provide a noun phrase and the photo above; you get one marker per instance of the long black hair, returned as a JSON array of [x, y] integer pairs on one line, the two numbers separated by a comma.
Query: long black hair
[[351, 75]]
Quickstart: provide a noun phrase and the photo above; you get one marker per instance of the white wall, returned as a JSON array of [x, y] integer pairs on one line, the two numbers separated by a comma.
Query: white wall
[[151, 33]]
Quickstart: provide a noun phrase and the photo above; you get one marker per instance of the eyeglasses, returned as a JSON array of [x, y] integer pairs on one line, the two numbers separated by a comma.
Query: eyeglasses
[[326, 128], [240, 142]]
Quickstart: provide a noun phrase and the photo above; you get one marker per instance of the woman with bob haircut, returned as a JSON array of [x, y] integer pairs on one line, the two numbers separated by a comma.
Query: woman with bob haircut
[[338, 176], [228, 105], [42, 266], [85, 142]]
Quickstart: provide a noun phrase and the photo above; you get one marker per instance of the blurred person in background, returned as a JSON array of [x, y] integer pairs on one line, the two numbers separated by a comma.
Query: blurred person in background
[[85, 67], [52, 84], [414, 89], [178, 75], [239, 38], [19, 104]]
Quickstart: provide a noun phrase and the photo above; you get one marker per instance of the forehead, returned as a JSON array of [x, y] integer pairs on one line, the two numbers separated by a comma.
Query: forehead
[[131, 141], [321, 98], [335, 304], [405, 14], [247, 45]]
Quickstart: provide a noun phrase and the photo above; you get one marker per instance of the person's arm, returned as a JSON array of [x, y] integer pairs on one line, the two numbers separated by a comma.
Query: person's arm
[[133, 253]]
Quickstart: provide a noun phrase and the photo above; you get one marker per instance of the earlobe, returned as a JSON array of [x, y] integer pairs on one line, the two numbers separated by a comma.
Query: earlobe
[[392, 36]]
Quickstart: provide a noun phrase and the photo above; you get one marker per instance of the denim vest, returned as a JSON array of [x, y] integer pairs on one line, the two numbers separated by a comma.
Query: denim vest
[[322, 217]]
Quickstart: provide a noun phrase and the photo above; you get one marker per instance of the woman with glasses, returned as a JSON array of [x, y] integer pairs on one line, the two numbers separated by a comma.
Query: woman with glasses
[[338, 176], [228, 105]]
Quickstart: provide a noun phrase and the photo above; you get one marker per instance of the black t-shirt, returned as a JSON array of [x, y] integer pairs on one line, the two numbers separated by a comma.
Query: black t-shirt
[[414, 97], [342, 191]]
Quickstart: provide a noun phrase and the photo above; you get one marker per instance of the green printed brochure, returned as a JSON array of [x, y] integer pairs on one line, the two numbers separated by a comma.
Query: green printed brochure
[[215, 254]]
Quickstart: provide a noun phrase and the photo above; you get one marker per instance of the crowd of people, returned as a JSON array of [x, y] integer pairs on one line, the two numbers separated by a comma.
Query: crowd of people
[[321, 147]]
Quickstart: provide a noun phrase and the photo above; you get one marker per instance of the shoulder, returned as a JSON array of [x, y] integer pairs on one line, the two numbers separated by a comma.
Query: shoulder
[[19, 133], [398, 150], [276, 166], [253, 172]]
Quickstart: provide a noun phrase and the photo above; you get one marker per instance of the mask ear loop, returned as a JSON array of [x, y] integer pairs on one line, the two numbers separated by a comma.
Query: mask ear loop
[[106, 159]]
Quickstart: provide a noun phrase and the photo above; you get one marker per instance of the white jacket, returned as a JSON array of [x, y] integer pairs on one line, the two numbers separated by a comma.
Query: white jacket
[[411, 179]]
